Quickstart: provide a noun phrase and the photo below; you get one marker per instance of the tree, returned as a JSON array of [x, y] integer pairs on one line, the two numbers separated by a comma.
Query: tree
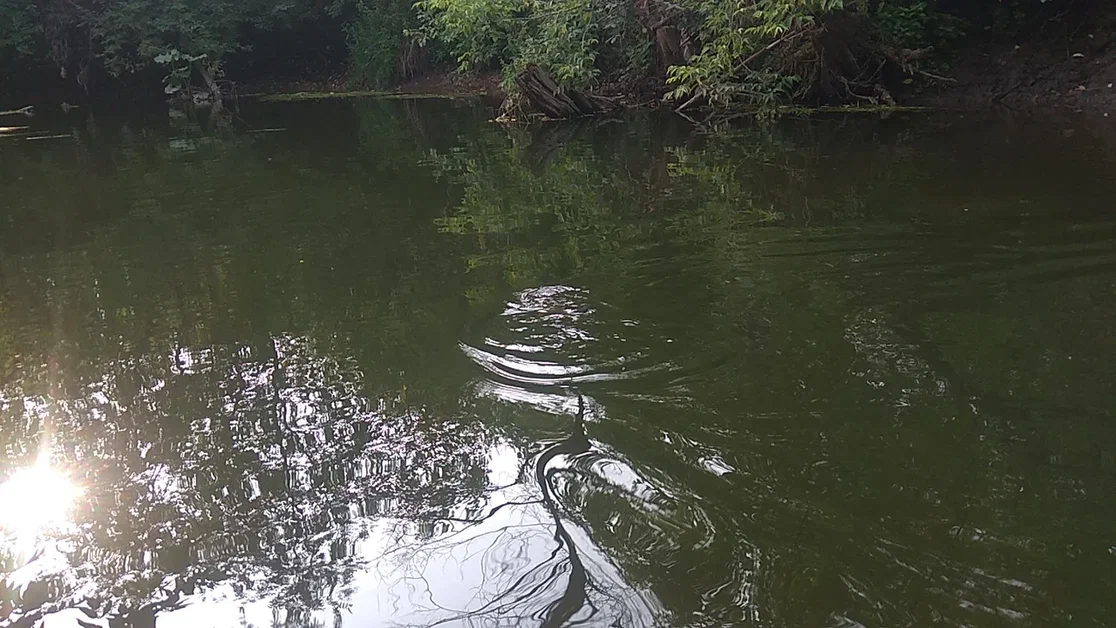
[[126, 38]]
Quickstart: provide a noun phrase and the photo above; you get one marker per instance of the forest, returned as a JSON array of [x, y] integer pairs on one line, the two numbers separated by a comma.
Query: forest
[[719, 53]]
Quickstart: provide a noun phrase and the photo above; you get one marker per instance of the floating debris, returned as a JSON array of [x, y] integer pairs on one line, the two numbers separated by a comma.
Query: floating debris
[[48, 137]]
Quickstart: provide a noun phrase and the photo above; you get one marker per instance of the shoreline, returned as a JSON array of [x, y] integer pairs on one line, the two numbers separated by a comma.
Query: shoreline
[[1027, 78], [445, 85], [1030, 77]]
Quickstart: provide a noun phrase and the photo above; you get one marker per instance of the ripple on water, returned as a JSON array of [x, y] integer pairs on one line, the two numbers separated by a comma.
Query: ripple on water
[[555, 349], [557, 336]]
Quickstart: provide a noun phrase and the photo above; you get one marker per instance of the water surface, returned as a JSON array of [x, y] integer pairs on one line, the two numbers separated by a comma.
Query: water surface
[[386, 363]]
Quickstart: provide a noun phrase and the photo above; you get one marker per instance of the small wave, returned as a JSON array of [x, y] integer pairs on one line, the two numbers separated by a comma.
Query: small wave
[[556, 336]]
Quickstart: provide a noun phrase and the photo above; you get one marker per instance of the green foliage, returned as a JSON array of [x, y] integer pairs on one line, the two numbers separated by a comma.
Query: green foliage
[[180, 69], [565, 39], [476, 32], [580, 42], [914, 24], [723, 51], [735, 34], [760, 52], [904, 23], [131, 33], [18, 27], [624, 43], [378, 41], [124, 37], [538, 212]]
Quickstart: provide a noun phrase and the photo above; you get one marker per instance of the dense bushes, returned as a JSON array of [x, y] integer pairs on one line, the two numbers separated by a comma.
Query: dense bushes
[[381, 51], [720, 51], [581, 42], [691, 51], [82, 40]]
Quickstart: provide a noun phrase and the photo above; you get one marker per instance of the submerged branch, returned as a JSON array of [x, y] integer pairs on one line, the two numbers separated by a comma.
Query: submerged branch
[[29, 110]]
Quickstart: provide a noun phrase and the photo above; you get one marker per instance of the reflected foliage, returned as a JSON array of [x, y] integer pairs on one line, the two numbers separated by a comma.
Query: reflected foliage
[[358, 363]]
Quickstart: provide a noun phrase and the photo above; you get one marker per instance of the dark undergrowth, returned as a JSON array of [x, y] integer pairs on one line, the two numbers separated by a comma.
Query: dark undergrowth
[[690, 54]]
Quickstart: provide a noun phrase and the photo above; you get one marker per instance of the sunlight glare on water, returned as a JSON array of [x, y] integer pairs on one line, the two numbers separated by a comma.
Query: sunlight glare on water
[[34, 500]]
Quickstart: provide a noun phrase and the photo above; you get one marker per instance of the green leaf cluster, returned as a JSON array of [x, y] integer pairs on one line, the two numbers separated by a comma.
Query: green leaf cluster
[[719, 52], [378, 41], [580, 42], [124, 38]]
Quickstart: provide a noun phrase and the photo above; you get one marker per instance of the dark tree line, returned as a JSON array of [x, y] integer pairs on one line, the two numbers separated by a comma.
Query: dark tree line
[[714, 52]]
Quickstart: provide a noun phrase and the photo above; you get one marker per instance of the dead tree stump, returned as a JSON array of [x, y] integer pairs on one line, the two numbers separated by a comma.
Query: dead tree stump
[[555, 101]]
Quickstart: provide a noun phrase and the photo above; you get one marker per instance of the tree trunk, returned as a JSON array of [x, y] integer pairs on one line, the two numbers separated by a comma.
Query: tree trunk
[[555, 101], [668, 44], [210, 82]]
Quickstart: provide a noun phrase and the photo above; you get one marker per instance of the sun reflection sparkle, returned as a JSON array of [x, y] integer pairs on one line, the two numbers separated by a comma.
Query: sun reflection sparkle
[[35, 499]]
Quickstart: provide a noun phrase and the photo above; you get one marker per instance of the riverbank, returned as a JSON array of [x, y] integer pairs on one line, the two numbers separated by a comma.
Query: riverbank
[[1077, 73], [1024, 77], [1071, 67], [484, 85], [1074, 73]]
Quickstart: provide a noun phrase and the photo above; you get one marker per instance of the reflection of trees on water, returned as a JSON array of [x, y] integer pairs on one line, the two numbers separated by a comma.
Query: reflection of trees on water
[[617, 512], [267, 402], [529, 558], [264, 485], [907, 348], [218, 453], [223, 459]]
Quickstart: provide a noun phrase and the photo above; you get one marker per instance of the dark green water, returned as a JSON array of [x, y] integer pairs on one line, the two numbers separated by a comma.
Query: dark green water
[[386, 363]]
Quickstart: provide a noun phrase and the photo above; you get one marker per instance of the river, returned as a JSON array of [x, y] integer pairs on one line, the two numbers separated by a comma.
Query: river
[[376, 363]]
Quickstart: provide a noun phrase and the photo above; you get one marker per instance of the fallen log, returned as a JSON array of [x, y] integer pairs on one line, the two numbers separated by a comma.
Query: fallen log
[[555, 101]]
